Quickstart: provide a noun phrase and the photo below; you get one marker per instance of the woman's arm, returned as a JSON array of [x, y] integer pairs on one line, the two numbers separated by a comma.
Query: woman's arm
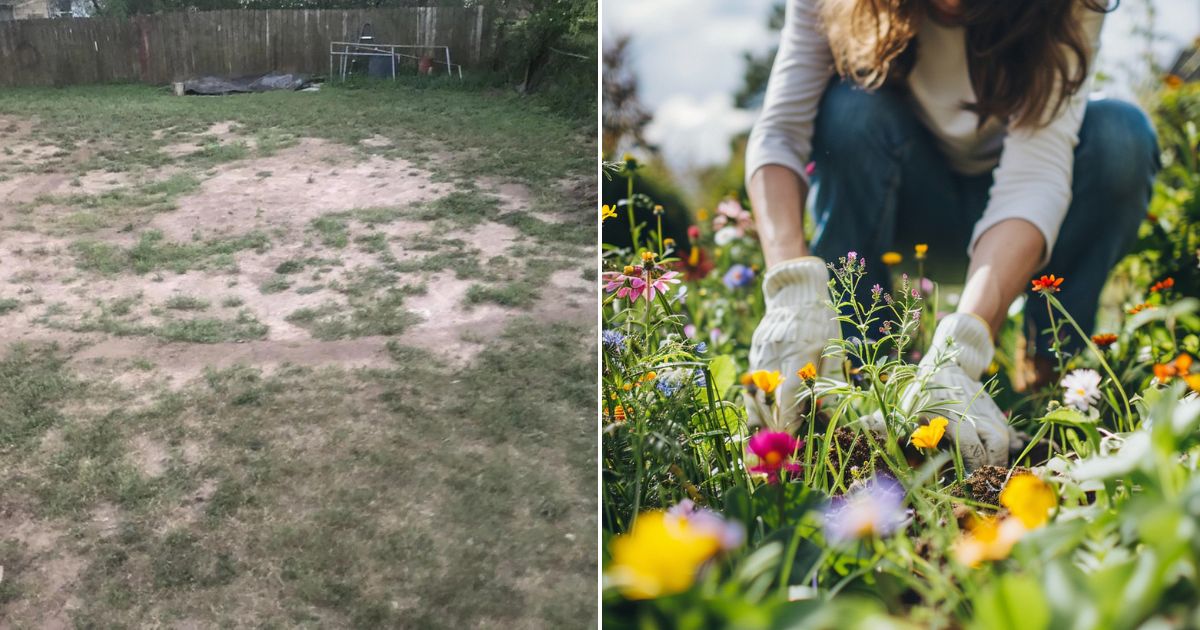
[[781, 141], [1006, 257], [1033, 180], [777, 195]]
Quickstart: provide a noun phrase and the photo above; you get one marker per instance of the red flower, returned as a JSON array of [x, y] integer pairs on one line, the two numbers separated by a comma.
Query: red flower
[[697, 265], [1104, 340], [1162, 285], [1047, 284]]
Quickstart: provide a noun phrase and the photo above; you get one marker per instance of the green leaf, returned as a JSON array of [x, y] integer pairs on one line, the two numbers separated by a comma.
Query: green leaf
[[1013, 602], [1069, 416], [724, 373]]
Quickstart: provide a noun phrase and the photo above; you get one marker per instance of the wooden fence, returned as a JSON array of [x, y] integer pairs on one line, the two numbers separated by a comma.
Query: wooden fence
[[175, 46]]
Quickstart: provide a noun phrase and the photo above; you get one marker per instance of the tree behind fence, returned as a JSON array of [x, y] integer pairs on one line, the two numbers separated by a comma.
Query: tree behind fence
[[175, 46]]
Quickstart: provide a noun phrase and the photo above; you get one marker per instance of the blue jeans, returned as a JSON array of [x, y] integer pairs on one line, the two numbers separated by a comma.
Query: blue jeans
[[881, 184]]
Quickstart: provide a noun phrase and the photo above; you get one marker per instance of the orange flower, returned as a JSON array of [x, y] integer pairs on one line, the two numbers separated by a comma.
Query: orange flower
[[928, 436], [988, 538], [1047, 284], [766, 381], [920, 249], [1173, 81], [1162, 285], [618, 413], [1164, 372], [1104, 340], [808, 372], [1138, 308]]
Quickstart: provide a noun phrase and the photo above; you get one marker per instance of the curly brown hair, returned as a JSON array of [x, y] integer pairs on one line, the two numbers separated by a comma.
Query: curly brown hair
[[1026, 57]]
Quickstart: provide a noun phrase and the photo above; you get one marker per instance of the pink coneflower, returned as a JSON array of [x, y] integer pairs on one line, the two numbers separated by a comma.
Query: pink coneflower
[[775, 451], [636, 282], [653, 286]]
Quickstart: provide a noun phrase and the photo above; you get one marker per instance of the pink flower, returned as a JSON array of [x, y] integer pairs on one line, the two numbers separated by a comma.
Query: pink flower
[[731, 212], [637, 282], [776, 452]]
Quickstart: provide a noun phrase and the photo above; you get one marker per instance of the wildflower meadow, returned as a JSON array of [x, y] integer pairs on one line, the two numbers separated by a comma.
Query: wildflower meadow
[[727, 502]]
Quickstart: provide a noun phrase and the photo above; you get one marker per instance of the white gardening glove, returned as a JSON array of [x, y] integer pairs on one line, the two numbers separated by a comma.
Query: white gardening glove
[[948, 385], [797, 327]]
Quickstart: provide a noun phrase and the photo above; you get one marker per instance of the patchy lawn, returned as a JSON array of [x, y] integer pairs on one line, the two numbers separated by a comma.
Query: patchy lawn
[[284, 358]]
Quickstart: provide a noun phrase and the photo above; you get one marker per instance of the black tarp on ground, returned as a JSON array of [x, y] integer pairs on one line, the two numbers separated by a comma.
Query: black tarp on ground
[[255, 83]]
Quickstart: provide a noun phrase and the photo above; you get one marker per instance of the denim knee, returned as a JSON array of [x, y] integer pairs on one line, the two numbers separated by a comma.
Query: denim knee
[[851, 120], [1117, 156]]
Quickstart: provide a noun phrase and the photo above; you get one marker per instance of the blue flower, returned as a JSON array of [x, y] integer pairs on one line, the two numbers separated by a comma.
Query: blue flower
[[738, 276], [613, 341], [667, 386], [701, 347], [698, 379]]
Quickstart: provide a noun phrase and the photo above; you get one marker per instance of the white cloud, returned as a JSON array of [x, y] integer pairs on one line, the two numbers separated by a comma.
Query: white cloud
[[695, 132]]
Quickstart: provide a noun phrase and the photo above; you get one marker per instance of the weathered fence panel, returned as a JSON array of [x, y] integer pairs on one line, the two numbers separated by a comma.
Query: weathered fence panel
[[176, 46]]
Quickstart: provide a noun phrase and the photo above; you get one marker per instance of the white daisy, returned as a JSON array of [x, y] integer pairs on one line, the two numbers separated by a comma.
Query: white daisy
[[1081, 389]]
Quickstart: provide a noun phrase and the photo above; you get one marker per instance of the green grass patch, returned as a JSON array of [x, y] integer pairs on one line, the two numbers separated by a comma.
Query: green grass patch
[[153, 252], [186, 303], [244, 327]]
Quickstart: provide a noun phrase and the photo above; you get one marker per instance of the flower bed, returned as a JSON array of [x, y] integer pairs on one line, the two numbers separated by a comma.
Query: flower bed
[[723, 508]]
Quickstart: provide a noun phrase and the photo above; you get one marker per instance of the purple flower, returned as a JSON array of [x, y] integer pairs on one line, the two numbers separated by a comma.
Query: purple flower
[[851, 256], [876, 291], [613, 341], [738, 276], [689, 330], [730, 534], [927, 285], [875, 508]]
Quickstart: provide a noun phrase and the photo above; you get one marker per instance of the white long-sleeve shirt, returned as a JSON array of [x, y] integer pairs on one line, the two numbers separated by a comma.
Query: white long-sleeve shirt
[[1033, 166]]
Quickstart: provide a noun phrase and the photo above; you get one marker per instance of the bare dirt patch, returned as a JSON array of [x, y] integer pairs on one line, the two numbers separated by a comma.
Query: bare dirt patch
[[308, 180]]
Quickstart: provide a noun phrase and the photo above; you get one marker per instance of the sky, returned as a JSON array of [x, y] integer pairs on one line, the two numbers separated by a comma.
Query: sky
[[687, 55]]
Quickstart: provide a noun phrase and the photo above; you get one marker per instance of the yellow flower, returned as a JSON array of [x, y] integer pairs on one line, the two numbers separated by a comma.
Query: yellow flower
[[659, 556], [648, 257], [1029, 499], [891, 258], [921, 249], [702, 215], [607, 212], [808, 372], [929, 435], [988, 538], [668, 243], [766, 381]]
